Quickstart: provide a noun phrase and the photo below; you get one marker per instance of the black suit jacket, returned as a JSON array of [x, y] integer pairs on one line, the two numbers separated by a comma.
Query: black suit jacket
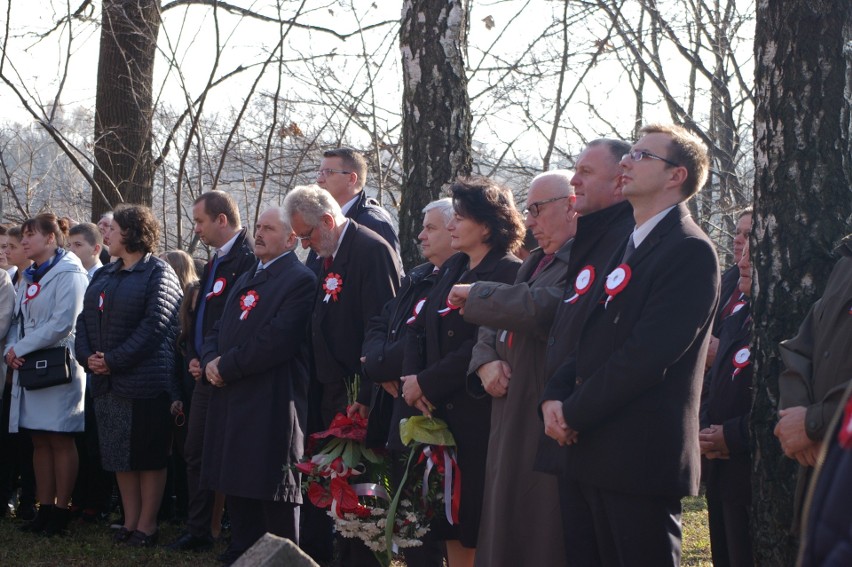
[[370, 273], [367, 212], [599, 235], [636, 372], [726, 401], [239, 259]]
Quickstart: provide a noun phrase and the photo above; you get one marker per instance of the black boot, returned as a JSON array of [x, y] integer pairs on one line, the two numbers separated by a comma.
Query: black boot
[[57, 522], [45, 511]]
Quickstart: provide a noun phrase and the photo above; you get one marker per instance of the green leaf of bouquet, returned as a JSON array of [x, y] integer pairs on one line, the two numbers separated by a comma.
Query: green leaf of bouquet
[[426, 430], [351, 454], [371, 456]]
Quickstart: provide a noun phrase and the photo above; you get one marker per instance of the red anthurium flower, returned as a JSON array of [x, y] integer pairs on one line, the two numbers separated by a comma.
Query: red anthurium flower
[[319, 496], [347, 500], [305, 468]]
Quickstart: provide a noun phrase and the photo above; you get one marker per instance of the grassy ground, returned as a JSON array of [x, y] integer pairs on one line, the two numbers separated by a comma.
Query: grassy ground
[[88, 544]]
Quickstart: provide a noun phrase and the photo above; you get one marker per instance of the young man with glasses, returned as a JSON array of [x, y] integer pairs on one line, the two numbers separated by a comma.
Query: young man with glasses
[[625, 402], [343, 173]]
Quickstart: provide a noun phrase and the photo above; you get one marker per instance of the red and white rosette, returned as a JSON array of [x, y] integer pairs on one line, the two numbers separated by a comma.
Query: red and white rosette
[[844, 436], [616, 281], [247, 303], [332, 286], [416, 311], [737, 306], [742, 358], [101, 301], [449, 308], [32, 292], [583, 283], [218, 288]]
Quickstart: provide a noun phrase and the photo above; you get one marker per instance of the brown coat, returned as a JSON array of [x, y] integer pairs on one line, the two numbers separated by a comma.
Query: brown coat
[[521, 520]]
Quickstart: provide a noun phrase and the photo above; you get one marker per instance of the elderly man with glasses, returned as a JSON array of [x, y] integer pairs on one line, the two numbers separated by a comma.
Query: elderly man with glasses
[[359, 273]]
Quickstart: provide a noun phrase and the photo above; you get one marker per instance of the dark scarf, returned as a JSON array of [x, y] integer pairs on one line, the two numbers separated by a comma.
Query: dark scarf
[[34, 273]]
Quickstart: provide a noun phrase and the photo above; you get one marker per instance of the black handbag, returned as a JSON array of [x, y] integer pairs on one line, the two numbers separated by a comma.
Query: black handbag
[[45, 368]]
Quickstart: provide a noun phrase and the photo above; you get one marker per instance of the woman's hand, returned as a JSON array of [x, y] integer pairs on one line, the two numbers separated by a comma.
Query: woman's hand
[[97, 364], [12, 359]]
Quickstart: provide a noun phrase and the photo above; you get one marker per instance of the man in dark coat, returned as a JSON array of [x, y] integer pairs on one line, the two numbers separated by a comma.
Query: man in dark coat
[[827, 530], [217, 224], [343, 173], [384, 347], [626, 402], [360, 273], [256, 358]]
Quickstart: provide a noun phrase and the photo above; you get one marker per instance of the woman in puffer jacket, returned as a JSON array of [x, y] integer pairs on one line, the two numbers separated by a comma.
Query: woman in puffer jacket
[[125, 338], [46, 309]]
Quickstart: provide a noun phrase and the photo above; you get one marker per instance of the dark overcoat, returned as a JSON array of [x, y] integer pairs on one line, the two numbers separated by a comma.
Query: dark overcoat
[[632, 386], [256, 422], [437, 351]]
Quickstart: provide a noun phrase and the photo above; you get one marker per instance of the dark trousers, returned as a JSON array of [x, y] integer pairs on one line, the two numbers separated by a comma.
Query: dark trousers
[[614, 529], [200, 506], [318, 541], [730, 533], [16, 459], [93, 488], [251, 518]]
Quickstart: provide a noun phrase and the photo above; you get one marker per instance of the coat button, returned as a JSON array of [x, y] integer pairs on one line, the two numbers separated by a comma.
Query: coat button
[[449, 406], [486, 291], [450, 333], [381, 358], [578, 381], [825, 354], [551, 341]]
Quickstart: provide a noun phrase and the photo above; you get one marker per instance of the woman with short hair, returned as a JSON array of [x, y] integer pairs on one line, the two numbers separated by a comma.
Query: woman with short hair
[[485, 227], [46, 310], [126, 339]]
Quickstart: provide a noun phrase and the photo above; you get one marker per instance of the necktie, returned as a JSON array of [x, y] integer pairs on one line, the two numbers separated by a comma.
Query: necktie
[[628, 252], [326, 263], [545, 261], [259, 269], [202, 303]]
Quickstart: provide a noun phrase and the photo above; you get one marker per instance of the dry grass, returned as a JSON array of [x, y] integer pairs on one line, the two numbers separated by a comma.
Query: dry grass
[[87, 545]]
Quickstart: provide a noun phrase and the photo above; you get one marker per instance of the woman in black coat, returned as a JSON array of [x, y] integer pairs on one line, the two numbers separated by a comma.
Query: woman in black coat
[[126, 340], [485, 228]]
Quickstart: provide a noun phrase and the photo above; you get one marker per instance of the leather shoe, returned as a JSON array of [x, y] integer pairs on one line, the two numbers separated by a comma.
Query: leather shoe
[[188, 542]]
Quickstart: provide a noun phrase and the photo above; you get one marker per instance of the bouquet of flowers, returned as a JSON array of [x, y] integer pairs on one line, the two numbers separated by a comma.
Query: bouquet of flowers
[[353, 482]]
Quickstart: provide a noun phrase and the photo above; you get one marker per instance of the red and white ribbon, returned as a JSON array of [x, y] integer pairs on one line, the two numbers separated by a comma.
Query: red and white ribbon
[[616, 281], [32, 291], [583, 283], [332, 286], [741, 360], [444, 460], [446, 310], [247, 303], [101, 301], [218, 288], [416, 311]]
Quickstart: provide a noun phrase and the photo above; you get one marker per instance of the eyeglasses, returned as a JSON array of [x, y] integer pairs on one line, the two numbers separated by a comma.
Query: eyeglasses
[[639, 155], [326, 172], [307, 237], [534, 209]]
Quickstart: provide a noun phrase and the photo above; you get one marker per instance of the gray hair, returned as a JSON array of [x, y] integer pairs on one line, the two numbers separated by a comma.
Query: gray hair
[[560, 178], [617, 148], [444, 206], [311, 202]]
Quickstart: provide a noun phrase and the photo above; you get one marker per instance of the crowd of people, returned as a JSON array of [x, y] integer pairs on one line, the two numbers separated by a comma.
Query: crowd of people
[[589, 386]]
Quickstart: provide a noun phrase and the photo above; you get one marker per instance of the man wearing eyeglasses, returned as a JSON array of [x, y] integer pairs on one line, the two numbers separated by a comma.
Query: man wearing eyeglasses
[[604, 222], [359, 274], [625, 403], [343, 173]]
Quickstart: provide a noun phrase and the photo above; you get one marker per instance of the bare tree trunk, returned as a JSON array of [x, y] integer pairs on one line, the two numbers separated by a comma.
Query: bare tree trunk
[[124, 105], [436, 110], [802, 203]]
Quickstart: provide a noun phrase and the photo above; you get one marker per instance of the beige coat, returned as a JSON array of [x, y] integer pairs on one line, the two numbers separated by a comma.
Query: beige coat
[[521, 519]]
